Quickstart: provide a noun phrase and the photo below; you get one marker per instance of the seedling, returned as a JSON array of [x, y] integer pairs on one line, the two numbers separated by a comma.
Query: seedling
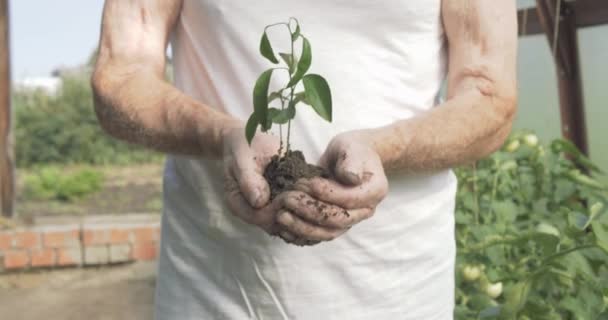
[[316, 92], [288, 166]]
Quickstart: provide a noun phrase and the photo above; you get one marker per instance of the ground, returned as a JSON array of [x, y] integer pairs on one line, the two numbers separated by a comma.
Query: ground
[[126, 189], [124, 292]]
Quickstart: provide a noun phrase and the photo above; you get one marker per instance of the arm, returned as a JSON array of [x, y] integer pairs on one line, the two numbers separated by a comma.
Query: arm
[[134, 103], [132, 100], [481, 102]]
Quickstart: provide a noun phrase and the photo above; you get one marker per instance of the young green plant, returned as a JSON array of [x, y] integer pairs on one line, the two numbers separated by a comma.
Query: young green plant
[[316, 90]]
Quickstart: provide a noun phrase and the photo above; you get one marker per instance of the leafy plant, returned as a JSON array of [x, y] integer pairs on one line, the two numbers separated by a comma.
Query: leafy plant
[[51, 183], [63, 128], [316, 92], [532, 235]]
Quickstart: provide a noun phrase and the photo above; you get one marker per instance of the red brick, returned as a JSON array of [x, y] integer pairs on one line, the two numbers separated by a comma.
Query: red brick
[[27, 239], [145, 234], [61, 239], [16, 259], [6, 241], [95, 236], [96, 255], [145, 251], [43, 257], [119, 236], [120, 253], [69, 257]]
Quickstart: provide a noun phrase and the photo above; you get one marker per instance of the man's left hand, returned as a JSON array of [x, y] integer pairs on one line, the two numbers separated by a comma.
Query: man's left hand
[[359, 186]]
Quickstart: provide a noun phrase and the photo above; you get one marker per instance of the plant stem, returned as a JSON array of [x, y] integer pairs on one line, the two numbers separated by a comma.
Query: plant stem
[[475, 194], [290, 98], [565, 252]]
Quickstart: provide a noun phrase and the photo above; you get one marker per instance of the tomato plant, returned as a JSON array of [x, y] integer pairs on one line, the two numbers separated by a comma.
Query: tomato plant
[[532, 235]]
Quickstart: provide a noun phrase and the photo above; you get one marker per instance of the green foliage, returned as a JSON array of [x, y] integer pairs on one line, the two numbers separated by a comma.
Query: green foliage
[[64, 129], [51, 183], [529, 220], [316, 90]]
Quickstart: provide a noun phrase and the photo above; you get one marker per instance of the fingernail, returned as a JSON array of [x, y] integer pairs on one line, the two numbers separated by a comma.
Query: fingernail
[[287, 236], [285, 218], [353, 178]]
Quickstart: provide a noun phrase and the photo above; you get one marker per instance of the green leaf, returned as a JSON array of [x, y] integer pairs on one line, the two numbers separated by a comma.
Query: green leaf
[[562, 145], [273, 96], [318, 95], [281, 116], [515, 298], [601, 235], [295, 34], [251, 127], [300, 97], [578, 220], [260, 97], [303, 64], [266, 49], [289, 61]]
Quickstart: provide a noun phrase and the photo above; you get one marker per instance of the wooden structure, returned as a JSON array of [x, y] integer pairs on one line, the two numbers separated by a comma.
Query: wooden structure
[[7, 186], [560, 21]]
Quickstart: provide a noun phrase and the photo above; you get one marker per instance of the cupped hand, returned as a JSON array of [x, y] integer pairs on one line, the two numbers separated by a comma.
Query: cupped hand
[[247, 192], [325, 208]]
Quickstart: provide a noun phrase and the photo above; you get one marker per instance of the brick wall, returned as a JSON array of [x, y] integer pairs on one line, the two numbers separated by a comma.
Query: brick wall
[[87, 243]]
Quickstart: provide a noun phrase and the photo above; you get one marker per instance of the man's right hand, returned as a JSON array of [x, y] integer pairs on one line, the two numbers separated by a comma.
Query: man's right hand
[[247, 192]]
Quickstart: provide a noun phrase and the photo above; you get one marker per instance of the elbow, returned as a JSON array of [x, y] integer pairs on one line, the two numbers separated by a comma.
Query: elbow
[[505, 110], [105, 100]]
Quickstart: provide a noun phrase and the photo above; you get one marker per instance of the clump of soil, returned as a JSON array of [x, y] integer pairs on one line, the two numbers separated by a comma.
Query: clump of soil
[[283, 172]]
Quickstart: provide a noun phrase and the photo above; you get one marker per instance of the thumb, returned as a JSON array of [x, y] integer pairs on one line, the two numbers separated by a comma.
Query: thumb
[[346, 168], [253, 187]]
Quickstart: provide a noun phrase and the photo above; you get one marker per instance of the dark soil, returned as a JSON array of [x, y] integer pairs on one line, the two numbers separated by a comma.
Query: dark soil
[[282, 173]]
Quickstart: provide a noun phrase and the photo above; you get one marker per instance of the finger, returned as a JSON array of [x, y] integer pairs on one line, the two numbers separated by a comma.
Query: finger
[[323, 214], [241, 208], [251, 182], [306, 230], [366, 195], [348, 169]]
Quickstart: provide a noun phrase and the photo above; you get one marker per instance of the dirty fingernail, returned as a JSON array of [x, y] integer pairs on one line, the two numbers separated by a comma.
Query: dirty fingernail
[[353, 177], [287, 236], [285, 218]]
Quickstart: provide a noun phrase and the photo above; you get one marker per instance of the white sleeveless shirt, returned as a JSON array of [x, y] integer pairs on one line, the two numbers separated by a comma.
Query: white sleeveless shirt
[[384, 61]]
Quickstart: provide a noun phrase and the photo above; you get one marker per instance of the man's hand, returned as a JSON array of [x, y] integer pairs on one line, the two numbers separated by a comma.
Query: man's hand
[[325, 209], [247, 192]]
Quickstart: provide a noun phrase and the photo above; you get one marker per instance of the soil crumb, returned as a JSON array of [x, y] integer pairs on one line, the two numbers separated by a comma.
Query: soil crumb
[[282, 173]]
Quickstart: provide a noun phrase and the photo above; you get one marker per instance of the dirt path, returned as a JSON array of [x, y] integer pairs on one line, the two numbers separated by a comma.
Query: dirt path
[[109, 293]]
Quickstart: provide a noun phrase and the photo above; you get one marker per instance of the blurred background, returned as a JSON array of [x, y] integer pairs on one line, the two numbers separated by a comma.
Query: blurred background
[[69, 172]]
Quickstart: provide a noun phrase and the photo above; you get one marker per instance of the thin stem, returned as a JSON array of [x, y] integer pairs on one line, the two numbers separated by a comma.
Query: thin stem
[[281, 127], [276, 24], [565, 252], [290, 96], [476, 213]]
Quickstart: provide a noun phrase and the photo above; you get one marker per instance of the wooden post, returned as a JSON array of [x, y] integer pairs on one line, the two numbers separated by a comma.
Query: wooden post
[[6, 162], [572, 108]]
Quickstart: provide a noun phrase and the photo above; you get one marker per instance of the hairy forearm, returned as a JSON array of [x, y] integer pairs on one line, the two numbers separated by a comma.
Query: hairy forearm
[[136, 105], [465, 128]]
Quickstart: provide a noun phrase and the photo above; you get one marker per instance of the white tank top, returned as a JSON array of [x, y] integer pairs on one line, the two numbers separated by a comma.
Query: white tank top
[[384, 61]]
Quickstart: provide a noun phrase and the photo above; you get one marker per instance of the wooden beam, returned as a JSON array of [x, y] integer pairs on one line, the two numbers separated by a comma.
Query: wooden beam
[[572, 107], [7, 185], [588, 13]]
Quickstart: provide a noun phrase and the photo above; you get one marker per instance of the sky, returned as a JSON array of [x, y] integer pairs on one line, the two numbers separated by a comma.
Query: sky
[[46, 34]]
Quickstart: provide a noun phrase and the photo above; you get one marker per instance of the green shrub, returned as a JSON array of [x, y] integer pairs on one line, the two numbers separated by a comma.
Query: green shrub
[[50, 183], [532, 235], [64, 129]]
